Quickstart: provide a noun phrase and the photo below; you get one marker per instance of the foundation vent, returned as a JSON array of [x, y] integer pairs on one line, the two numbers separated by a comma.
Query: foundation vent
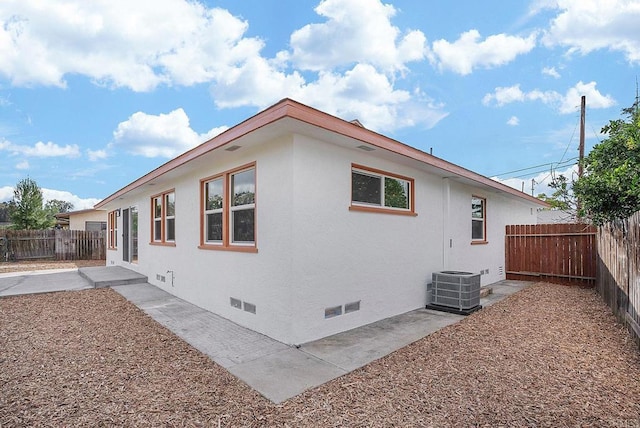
[[352, 307], [333, 311], [249, 307], [236, 303]]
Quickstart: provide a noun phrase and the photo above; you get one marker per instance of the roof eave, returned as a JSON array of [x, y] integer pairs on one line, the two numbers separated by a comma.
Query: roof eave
[[295, 110]]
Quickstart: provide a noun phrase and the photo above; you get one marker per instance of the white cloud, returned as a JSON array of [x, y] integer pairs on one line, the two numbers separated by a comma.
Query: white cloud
[[63, 195], [470, 52], [506, 95], [356, 31], [22, 165], [359, 55], [571, 101], [164, 135], [513, 121], [41, 150], [6, 194], [586, 26], [551, 71], [138, 45], [365, 94], [567, 103], [257, 83], [95, 155], [141, 45]]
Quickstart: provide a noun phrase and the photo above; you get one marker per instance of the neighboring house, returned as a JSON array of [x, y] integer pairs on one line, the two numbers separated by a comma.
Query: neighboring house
[[298, 224], [556, 216], [91, 220]]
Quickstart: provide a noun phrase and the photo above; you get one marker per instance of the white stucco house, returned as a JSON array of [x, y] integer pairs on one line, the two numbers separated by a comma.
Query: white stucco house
[[298, 224], [90, 220]]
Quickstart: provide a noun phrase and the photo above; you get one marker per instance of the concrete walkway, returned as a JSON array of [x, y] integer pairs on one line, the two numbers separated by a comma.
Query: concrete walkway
[[46, 281], [276, 370]]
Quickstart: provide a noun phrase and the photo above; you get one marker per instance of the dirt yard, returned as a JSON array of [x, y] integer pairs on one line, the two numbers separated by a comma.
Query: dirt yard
[[22, 266], [548, 356]]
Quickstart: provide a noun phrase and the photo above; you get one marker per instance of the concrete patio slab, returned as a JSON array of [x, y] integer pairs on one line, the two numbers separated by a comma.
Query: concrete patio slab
[[286, 373], [358, 347], [108, 276]]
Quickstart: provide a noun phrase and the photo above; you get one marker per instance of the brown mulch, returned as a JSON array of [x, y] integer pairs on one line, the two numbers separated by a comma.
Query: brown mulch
[[22, 266], [548, 356]]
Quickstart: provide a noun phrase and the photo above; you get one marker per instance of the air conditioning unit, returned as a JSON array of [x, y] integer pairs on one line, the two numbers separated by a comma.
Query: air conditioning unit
[[455, 292]]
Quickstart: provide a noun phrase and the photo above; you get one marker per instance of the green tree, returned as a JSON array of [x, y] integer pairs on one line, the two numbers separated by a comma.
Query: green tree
[[27, 211], [4, 212], [55, 206], [562, 197], [610, 186]]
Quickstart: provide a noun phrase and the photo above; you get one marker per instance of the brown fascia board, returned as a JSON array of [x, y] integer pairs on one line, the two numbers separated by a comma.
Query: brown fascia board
[[295, 110]]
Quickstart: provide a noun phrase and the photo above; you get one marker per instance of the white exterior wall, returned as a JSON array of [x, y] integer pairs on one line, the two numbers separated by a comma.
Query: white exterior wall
[[460, 254], [77, 221], [344, 256], [209, 278], [384, 261], [313, 252]]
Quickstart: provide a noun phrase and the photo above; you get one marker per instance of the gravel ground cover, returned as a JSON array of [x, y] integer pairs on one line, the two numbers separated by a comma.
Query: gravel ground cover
[[548, 356]]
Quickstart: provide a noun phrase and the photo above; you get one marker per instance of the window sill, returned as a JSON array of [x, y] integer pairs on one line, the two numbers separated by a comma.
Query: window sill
[[237, 249], [112, 249], [163, 244], [479, 242], [381, 211]]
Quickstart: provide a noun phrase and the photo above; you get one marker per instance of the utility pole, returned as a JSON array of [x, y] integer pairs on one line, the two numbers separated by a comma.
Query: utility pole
[[583, 108], [533, 183], [583, 105]]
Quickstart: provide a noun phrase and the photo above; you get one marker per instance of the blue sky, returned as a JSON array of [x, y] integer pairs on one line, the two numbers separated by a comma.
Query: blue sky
[[95, 94]]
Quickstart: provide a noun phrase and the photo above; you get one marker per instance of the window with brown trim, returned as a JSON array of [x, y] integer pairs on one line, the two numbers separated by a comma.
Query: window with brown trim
[[381, 191], [228, 205], [163, 218], [112, 226], [478, 220]]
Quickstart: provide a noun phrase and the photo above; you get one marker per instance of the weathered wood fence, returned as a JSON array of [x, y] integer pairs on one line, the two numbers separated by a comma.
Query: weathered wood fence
[[52, 244], [618, 279], [558, 253]]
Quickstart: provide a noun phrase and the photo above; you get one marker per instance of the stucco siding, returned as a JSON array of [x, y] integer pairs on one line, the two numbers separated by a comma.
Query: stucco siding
[[487, 258], [342, 256], [209, 278], [314, 252], [78, 221]]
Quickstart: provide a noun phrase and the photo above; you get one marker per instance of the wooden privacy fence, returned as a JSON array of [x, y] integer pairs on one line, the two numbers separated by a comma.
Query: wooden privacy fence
[[558, 253], [618, 279], [49, 244]]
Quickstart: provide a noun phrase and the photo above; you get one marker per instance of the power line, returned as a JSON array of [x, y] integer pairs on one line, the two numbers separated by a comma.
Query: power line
[[550, 164], [559, 164]]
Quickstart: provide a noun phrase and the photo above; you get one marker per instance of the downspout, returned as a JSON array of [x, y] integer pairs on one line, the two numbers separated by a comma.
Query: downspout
[[446, 216]]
